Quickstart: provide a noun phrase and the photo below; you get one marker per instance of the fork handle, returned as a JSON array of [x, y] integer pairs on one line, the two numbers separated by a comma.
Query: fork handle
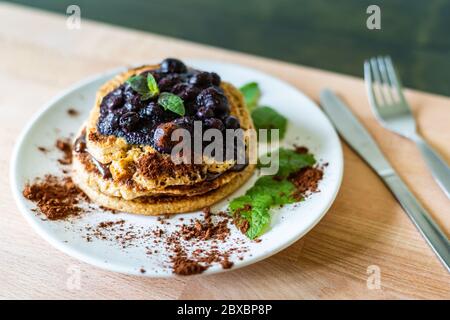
[[439, 169], [432, 233]]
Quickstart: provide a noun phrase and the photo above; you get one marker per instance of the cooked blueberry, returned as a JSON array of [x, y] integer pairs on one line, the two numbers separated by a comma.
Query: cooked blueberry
[[185, 91], [152, 110], [134, 104], [185, 122], [129, 121], [232, 123], [113, 100], [129, 93], [215, 79], [109, 124], [214, 123], [214, 99], [171, 65], [162, 136], [155, 73], [204, 113], [166, 83], [200, 79]]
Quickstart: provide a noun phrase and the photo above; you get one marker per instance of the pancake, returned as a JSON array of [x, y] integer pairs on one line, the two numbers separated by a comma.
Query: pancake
[[142, 180], [158, 205]]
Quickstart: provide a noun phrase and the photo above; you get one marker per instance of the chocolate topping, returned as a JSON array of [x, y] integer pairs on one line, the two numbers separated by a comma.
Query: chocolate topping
[[80, 147], [102, 168]]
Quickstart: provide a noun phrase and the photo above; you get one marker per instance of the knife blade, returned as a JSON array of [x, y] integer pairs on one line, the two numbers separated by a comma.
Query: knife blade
[[362, 142]]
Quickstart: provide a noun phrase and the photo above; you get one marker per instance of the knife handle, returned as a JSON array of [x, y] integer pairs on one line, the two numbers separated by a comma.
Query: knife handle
[[432, 233]]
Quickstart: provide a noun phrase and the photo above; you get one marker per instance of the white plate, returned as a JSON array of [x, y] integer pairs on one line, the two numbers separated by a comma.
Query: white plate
[[307, 126]]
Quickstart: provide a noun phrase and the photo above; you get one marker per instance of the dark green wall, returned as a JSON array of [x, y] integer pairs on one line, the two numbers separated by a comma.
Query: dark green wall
[[325, 34]]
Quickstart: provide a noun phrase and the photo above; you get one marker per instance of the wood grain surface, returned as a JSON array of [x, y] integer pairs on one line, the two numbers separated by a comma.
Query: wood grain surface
[[365, 227]]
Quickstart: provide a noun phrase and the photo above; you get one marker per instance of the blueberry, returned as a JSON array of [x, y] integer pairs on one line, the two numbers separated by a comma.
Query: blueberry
[[204, 113], [109, 124], [134, 104], [155, 73], [113, 100], [185, 123], [222, 111], [200, 79], [214, 99], [162, 137], [152, 111], [185, 91], [215, 79], [128, 92], [232, 123], [168, 82], [129, 121], [171, 65], [214, 123]]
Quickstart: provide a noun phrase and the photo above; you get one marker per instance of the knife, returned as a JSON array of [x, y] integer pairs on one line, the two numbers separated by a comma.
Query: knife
[[362, 142]]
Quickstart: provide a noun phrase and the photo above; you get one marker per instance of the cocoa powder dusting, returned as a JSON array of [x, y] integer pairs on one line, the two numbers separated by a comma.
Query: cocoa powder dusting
[[201, 231], [66, 147], [72, 112], [301, 149], [192, 247], [306, 180], [205, 230], [57, 198]]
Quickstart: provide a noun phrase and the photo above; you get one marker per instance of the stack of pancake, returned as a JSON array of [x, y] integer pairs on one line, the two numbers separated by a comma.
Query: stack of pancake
[[137, 178]]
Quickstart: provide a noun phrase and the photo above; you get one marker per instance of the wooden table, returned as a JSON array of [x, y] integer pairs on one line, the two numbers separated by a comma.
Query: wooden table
[[364, 228]]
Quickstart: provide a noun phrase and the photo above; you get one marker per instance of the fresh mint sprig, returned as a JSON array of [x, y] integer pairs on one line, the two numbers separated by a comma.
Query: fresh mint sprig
[[264, 117], [146, 87], [267, 118], [251, 93], [268, 191], [172, 102]]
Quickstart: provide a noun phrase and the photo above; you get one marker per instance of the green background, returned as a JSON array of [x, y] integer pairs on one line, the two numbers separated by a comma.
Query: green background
[[329, 34]]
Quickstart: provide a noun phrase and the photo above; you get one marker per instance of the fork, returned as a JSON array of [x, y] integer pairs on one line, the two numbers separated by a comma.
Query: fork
[[392, 110]]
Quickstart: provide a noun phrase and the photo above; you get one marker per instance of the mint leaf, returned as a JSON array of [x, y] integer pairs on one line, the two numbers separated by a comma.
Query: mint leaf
[[258, 200], [146, 87], [172, 102], [269, 191], [259, 221], [138, 84], [251, 93], [258, 215], [280, 191], [239, 202], [267, 118], [289, 161], [152, 85]]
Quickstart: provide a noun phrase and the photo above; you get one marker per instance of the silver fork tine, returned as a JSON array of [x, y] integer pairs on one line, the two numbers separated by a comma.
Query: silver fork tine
[[394, 113], [386, 85], [369, 85], [376, 75], [394, 79]]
